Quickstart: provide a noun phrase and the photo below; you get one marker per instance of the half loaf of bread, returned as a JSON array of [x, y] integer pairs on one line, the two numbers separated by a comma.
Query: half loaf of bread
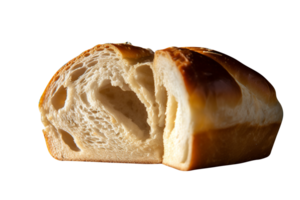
[[187, 108]]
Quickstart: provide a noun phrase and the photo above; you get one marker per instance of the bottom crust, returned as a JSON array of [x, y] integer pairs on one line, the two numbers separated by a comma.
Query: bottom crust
[[233, 145], [237, 144]]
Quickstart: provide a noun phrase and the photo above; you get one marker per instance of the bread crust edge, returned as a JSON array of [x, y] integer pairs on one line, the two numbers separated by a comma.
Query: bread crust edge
[[243, 143]]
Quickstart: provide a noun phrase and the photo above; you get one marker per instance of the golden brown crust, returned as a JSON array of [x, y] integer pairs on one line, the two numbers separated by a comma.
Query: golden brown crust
[[246, 76], [49, 145], [133, 52], [206, 81], [233, 145], [237, 144]]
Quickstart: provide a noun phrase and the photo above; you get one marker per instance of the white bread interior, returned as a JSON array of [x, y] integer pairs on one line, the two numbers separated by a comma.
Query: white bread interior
[[111, 109], [103, 109]]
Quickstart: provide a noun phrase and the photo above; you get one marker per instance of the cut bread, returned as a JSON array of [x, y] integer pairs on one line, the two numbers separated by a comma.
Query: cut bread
[[188, 108]]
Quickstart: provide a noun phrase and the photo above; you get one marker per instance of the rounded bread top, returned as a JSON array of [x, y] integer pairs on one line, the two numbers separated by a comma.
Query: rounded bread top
[[206, 81], [251, 79], [211, 77]]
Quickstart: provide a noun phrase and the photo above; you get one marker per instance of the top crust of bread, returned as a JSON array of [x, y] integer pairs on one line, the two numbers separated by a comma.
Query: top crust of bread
[[248, 77], [224, 67], [204, 78]]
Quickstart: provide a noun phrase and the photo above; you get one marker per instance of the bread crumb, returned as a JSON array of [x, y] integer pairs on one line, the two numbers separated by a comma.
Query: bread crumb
[[112, 119]]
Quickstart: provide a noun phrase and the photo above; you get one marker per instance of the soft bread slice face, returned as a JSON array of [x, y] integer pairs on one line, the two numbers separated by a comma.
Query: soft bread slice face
[[218, 111], [101, 107]]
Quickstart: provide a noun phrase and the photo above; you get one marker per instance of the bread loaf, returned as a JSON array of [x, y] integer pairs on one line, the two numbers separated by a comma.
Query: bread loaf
[[187, 108]]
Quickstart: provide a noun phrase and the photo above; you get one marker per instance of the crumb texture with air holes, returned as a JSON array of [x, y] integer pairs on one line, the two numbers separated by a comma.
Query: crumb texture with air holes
[[102, 108]]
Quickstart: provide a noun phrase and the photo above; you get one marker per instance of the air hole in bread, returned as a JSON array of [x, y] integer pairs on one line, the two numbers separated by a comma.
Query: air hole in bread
[[77, 73], [111, 50], [105, 55], [172, 107], [68, 140], [92, 118], [59, 98], [84, 99], [144, 77], [89, 141], [56, 78], [77, 66], [92, 63], [127, 103], [161, 98], [99, 134], [94, 57]]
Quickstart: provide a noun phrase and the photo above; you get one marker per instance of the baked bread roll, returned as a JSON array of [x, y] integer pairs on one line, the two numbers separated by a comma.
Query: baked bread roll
[[188, 108]]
